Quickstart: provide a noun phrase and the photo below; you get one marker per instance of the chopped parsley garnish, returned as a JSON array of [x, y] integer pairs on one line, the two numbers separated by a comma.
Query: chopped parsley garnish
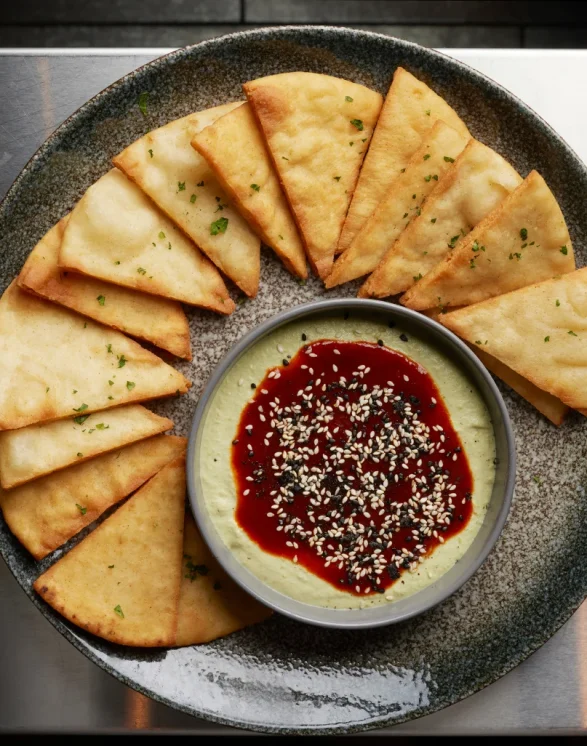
[[427, 112], [427, 178], [537, 479], [572, 333], [523, 234], [336, 178], [80, 419], [557, 304], [218, 226], [280, 236], [143, 98], [102, 426], [161, 235], [81, 509], [150, 152], [121, 361], [472, 264], [108, 348], [433, 220], [349, 99], [351, 142], [101, 300], [110, 567], [119, 611], [426, 157], [417, 277], [47, 389], [448, 159], [141, 270], [193, 198], [358, 123], [284, 158], [256, 187], [117, 261], [168, 246], [405, 215], [517, 255], [547, 339], [193, 570], [181, 186], [111, 383], [402, 171], [564, 250], [200, 183], [80, 455], [453, 241], [130, 385], [81, 409]]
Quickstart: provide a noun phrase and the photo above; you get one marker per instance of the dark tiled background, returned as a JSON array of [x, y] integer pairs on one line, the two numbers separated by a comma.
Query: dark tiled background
[[175, 23]]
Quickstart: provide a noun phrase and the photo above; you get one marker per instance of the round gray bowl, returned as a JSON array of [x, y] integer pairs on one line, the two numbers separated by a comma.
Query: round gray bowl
[[501, 497]]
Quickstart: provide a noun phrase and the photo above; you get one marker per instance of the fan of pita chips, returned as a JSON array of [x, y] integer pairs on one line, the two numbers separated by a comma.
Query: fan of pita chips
[[115, 233], [548, 405], [408, 112], [57, 364], [523, 241], [157, 320], [211, 604], [181, 182], [318, 129], [122, 581], [32, 451], [477, 182], [234, 148], [46, 513], [540, 331], [401, 203]]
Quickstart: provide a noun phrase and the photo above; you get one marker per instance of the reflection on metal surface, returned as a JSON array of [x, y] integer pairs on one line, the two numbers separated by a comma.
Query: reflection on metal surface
[[47, 105], [137, 710]]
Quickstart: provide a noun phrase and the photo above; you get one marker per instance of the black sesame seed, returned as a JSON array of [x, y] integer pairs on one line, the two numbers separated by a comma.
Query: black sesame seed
[[304, 337], [285, 362], [403, 337], [380, 342], [253, 385], [391, 324]]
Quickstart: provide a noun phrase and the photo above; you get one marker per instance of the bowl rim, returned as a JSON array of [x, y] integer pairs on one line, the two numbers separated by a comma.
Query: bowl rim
[[302, 612]]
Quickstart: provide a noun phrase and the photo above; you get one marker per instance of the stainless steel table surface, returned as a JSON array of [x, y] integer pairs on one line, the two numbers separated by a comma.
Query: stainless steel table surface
[[45, 683]]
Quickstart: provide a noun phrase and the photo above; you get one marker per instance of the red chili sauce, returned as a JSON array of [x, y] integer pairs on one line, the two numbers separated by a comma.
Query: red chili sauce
[[346, 461]]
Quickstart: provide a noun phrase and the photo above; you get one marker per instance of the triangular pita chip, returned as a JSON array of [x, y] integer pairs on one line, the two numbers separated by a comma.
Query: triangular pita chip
[[409, 110], [540, 331], [211, 604], [57, 364], [179, 180], [36, 450], [523, 241], [401, 203], [475, 184], [545, 403], [115, 233], [157, 320], [318, 130], [46, 513], [234, 148], [122, 581]]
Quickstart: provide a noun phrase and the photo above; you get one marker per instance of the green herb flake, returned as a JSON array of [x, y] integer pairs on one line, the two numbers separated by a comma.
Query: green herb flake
[[110, 567], [547, 339], [472, 264], [218, 226], [426, 157], [453, 241], [284, 158], [281, 237], [564, 250], [81, 509], [523, 233], [47, 389], [192, 569], [427, 112], [349, 99], [358, 123], [200, 184], [101, 300], [351, 142], [150, 152], [433, 220], [119, 611], [81, 409], [121, 361], [405, 215], [537, 479], [256, 187], [557, 304], [448, 159], [117, 262], [80, 419], [141, 270], [130, 385], [417, 277], [336, 178], [80, 455], [427, 178], [193, 198], [108, 348], [181, 186], [143, 99], [102, 426], [572, 333], [402, 171]]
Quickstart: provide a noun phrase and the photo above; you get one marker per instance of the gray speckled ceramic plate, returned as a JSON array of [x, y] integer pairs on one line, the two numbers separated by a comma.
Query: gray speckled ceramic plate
[[283, 676]]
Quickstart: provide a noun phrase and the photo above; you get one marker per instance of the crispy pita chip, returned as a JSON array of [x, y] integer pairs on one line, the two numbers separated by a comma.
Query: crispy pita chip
[[56, 364], [399, 205], [46, 513], [115, 233], [548, 405], [36, 450], [540, 331], [234, 148], [523, 241], [157, 320], [408, 112], [184, 186], [318, 129], [211, 604], [122, 581], [476, 183]]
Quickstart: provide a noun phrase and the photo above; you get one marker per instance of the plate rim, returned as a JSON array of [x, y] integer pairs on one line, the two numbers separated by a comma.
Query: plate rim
[[63, 627]]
